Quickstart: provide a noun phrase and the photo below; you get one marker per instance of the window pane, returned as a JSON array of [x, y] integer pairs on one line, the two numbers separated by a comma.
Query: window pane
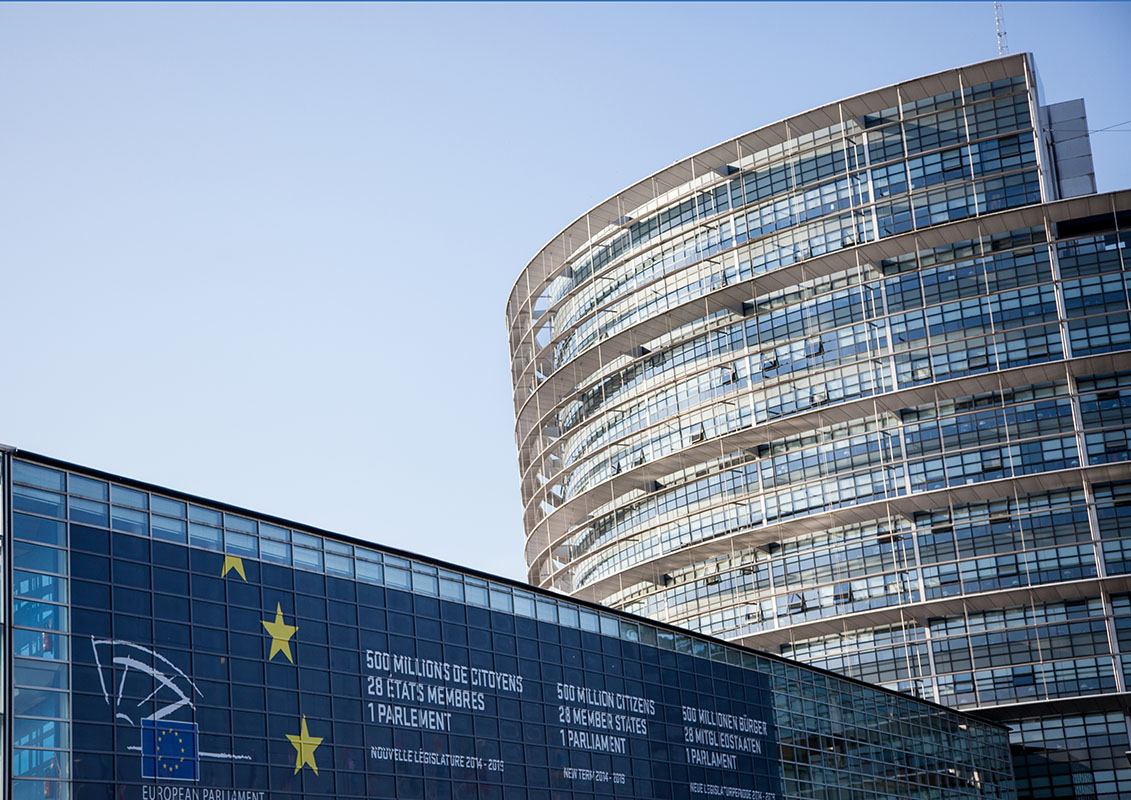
[[77, 484], [239, 523], [308, 558], [129, 520], [128, 497], [38, 529], [279, 552], [40, 732], [40, 703], [37, 501], [34, 672], [172, 530], [163, 505], [37, 475], [39, 644], [205, 515], [241, 544], [40, 764], [39, 558], [204, 536], [39, 587], [89, 512], [30, 614]]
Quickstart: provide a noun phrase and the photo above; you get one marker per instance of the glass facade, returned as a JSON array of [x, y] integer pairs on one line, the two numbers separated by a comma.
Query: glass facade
[[855, 388], [169, 648]]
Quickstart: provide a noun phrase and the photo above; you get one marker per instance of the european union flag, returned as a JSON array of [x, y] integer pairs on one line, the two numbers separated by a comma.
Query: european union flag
[[169, 750]]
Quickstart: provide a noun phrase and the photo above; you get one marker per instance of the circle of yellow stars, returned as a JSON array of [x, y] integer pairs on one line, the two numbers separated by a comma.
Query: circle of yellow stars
[[165, 760]]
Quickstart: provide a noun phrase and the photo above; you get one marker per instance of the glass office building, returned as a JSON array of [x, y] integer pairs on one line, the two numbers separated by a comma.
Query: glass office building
[[855, 388], [164, 647]]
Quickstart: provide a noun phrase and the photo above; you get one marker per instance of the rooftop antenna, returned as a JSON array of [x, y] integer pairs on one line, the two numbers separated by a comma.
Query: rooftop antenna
[[999, 24]]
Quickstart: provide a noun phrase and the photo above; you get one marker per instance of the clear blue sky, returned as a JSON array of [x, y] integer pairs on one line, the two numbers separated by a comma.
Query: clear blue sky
[[261, 252]]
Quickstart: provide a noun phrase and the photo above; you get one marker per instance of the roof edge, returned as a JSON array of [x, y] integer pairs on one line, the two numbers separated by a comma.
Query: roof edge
[[784, 121]]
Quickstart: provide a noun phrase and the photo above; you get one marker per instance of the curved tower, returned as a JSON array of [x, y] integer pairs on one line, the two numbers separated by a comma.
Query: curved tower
[[855, 388]]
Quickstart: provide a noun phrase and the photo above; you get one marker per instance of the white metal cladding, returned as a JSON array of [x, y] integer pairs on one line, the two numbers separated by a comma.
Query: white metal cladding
[[603, 216], [547, 530], [541, 386], [544, 388], [696, 173]]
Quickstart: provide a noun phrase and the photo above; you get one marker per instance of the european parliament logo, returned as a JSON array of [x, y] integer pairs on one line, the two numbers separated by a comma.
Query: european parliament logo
[[136, 679], [169, 751]]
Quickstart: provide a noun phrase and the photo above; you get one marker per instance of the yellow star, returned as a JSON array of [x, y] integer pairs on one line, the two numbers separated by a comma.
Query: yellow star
[[233, 562], [305, 745], [281, 634]]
